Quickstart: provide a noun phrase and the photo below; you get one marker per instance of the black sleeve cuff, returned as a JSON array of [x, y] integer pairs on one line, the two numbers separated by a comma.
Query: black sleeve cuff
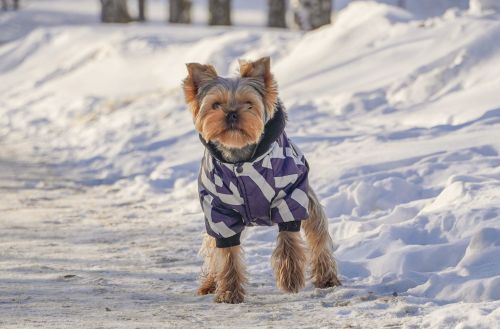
[[289, 226], [228, 242]]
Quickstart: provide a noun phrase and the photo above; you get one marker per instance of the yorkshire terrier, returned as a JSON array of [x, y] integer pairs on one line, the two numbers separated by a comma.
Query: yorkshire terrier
[[252, 174]]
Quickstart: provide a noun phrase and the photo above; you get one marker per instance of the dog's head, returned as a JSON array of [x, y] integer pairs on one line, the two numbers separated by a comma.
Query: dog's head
[[231, 111]]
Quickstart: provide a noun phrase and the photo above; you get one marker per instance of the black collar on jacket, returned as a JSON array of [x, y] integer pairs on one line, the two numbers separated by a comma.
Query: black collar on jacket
[[272, 131]]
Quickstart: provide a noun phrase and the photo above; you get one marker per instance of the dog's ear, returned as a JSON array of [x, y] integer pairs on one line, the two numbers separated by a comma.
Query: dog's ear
[[261, 70], [258, 69], [198, 74]]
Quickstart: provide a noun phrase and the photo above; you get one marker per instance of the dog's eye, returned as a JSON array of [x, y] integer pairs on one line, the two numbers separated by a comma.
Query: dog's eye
[[249, 105], [216, 105]]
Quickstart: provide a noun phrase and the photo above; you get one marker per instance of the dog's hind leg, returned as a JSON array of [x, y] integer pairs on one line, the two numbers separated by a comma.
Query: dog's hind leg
[[208, 274], [323, 265], [230, 276]]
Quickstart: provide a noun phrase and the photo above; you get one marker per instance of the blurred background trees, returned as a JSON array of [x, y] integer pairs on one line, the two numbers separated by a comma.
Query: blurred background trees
[[311, 14], [180, 11], [7, 4], [142, 10], [276, 15], [308, 14], [114, 11], [219, 12], [302, 14]]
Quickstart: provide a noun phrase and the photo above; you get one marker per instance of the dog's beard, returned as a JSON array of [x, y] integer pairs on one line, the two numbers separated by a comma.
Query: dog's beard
[[246, 132], [236, 155]]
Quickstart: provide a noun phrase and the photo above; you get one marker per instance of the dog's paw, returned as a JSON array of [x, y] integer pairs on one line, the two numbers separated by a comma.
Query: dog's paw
[[327, 281], [206, 287], [324, 271], [230, 297]]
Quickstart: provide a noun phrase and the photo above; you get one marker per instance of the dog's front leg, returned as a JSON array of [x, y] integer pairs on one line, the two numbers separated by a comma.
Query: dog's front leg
[[231, 275], [289, 261]]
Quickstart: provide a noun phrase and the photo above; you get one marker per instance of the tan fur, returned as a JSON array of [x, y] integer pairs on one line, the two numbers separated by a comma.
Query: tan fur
[[323, 265], [261, 68], [212, 123], [289, 261], [231, 276], [209, 270]]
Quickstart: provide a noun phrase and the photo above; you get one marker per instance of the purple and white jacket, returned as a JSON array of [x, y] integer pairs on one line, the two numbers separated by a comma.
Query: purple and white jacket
[[271, 188]]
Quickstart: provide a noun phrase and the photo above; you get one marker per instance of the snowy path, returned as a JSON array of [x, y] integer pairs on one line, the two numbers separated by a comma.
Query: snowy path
[[75, 257], [69, 259]]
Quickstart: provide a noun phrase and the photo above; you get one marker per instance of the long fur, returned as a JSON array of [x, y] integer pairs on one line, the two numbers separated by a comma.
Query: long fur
[[231, 275], [289, 261], [323, 265], [208, 275]]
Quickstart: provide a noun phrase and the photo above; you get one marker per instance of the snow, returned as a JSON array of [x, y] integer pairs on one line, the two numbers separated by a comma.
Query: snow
[[399, 116]]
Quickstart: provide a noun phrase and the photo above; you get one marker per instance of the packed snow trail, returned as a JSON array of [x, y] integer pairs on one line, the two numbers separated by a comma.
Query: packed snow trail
[[85, 257], [80, 257]]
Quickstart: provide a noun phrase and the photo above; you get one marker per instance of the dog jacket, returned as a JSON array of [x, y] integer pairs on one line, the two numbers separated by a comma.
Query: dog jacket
[[271, 188]]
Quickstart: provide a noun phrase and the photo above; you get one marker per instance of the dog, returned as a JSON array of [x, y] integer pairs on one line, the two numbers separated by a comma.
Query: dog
[[253, 174]]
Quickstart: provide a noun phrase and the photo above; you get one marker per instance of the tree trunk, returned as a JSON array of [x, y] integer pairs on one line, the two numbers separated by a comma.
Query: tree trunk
[[142, 10], [16, 4], [114, 11], [276, 13], [219, 12], [311, 14], [479, 6], [180, 11]]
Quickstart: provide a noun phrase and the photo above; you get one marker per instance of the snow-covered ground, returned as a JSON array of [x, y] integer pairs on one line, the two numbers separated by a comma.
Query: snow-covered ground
[[100, 222]]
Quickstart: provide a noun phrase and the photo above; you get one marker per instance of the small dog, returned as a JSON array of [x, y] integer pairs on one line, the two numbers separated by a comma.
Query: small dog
[[252, 174]]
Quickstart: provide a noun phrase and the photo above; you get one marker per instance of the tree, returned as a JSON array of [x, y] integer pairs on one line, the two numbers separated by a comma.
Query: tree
[[180, 11], [142, 10], [219, 12], [276, 13], [5, 4], [114, 11], [311, 14]]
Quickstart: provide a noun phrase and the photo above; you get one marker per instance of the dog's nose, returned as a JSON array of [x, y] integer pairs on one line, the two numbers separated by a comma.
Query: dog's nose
[[232, 117]]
